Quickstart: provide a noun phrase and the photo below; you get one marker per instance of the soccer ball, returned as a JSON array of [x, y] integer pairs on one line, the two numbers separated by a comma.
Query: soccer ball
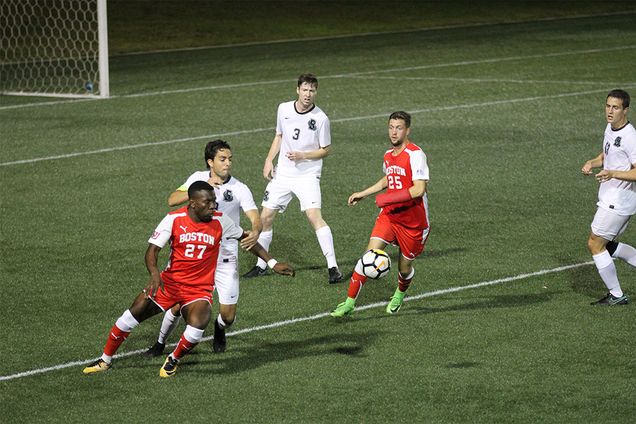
[[375, 263]]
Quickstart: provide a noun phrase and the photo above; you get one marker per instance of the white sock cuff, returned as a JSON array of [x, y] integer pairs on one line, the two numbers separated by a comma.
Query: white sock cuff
[[323, 230], [126, 322], [602, 259], [408, 277], [222, 323], [193, 334], [172, 317]]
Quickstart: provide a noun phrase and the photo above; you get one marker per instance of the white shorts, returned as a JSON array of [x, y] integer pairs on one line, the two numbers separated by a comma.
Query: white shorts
[[278, 192], [608, 224], [226, 281]]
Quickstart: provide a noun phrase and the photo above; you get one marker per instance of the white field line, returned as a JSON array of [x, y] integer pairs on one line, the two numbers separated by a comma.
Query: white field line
[[379, 33], [313, 317], [345, 75], [252, 131], [499, 80]]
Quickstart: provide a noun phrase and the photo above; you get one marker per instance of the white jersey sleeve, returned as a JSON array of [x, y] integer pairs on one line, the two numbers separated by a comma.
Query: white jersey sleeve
[[419, 165], [163, 232], [246, 199], [230, 229], [197, 176], [324, 133]]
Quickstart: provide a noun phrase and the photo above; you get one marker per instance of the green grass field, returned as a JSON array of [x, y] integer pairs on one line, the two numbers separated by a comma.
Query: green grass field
[[507, 114]]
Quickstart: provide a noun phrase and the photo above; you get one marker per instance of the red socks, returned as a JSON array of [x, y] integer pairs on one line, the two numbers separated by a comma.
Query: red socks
[[355, 284]]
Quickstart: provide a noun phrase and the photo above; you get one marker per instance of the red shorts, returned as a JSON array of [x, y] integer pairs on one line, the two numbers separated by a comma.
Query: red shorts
[[182, 294], [410, 241]]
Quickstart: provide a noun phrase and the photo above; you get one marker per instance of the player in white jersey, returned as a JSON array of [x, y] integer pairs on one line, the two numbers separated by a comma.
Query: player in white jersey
[[232, 196], [616, 196], [303, 139]]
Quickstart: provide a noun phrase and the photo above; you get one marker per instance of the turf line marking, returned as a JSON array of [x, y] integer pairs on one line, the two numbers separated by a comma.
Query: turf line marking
[[379, 33], [335, 76], [252, 131], [313, 317], [498, 80]]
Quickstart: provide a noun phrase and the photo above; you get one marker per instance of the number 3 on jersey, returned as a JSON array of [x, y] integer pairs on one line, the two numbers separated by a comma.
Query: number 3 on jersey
[[189, 251], [296, 134], [394, 182]]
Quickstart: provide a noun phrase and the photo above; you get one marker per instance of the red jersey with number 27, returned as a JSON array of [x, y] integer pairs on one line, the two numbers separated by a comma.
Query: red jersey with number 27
[[194, 246], [401, 170]]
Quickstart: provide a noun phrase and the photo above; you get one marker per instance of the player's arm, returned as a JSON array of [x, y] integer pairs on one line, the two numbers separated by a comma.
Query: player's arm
[[310, 154], [606, 175], [417, 190], [271, 155], [155, 283], [597, 162], [177, 197], [375, 188], [277, 267], [252, 236]]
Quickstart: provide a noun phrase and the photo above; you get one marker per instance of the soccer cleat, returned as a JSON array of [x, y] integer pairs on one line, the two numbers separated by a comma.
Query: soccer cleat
[[611, 300], [155, 350], [396, 302], [335, 276], [218, 342], [256, 271], [98, 366], [345, 308], [169, 367]]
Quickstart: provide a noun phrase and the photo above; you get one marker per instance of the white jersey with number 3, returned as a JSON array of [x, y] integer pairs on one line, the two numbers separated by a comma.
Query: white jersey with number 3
[[301, 132], [619, 148]]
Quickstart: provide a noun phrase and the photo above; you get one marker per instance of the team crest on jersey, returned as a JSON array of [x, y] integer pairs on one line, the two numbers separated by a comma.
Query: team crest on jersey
[[312, 124], [617, 142], [266, 196], [228, 196]]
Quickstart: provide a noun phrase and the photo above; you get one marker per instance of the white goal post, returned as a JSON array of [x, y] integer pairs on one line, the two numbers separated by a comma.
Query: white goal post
[[56, 48]]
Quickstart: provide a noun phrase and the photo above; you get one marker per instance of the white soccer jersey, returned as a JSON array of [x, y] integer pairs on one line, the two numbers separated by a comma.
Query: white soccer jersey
[[301, 132], [619, 148], [231, 197]]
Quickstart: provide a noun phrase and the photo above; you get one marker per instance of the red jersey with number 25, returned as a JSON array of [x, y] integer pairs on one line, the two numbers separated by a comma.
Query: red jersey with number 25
[[401, 170], [194, 246]]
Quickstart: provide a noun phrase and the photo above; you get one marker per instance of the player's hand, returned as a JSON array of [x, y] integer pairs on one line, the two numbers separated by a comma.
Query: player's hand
[[295, 156], [155, 283], [284, 269], [268, 170], [250, 239], [587, 168], [354, 199], [604, 175]]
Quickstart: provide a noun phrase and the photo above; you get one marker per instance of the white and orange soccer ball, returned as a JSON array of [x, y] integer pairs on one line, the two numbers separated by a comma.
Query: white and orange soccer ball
[[375, 263]]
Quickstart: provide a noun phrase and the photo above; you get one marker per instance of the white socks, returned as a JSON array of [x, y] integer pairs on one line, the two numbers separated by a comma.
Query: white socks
[[264, 239], [626, 252], [607, 271], [168, 324], [325, 239]]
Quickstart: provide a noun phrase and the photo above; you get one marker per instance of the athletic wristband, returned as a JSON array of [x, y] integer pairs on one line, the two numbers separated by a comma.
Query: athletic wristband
[[272, 263]]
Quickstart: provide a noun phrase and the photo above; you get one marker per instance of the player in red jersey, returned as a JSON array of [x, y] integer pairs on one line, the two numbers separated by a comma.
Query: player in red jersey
[[403, 219], [195, 233]]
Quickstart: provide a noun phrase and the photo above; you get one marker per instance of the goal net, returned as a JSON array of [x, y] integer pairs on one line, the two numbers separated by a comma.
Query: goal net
[[54, 48]]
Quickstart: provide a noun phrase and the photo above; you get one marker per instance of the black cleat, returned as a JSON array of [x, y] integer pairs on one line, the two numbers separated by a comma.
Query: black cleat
[[255, 272], [335, 276], [611, 300], [218, 342], [155, 350]]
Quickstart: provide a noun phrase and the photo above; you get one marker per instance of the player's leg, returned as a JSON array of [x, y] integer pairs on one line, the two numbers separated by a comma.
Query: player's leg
[[277, 197], [226, 282], [381, 235], [607, 226], [411, 243], [308, 192], [168, 324], [141, 309], [197, 316]]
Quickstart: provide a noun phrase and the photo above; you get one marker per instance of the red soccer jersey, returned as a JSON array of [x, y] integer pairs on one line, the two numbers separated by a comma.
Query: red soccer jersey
[[194, 246], [401, 170]]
